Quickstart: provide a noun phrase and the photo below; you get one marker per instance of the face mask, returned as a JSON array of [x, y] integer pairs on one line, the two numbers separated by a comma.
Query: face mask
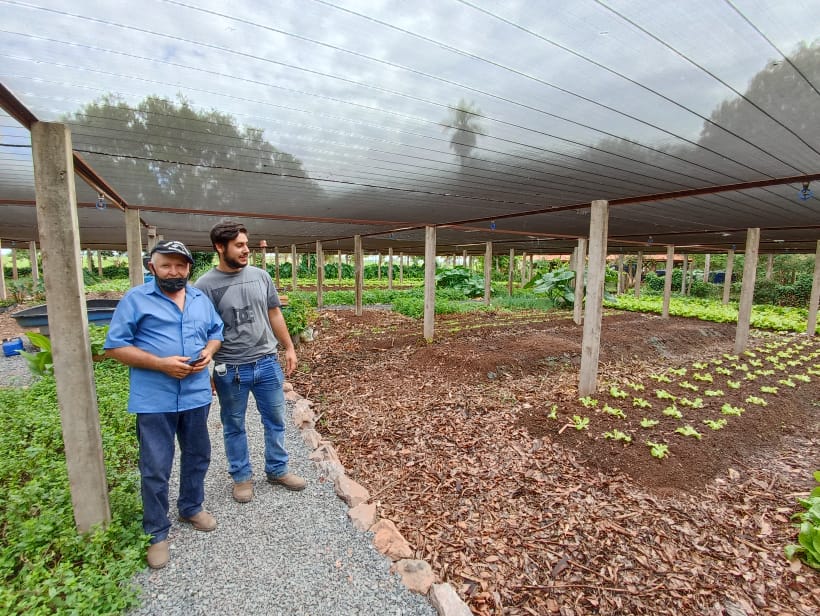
[[171, 285]]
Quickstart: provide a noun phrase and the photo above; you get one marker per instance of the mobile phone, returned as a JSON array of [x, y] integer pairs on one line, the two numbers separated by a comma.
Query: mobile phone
[[194, 361]]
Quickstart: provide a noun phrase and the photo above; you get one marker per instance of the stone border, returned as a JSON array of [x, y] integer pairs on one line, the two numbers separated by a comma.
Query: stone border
[[416, 575]]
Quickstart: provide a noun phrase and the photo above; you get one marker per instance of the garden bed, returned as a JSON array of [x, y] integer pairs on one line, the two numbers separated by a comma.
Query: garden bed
[[525, 514]]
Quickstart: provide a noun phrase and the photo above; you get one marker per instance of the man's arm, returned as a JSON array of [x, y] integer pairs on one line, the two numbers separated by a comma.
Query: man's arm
[[174, 366], [280, 330]]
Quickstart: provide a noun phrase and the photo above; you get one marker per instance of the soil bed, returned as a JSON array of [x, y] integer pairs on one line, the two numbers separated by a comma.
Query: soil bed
[[524, 514]]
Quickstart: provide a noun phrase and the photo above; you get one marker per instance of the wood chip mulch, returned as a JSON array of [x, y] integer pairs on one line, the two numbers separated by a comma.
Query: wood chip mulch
[[522, 522]]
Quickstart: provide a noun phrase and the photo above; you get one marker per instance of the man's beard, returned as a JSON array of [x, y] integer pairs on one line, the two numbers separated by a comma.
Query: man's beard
[[233, 263]]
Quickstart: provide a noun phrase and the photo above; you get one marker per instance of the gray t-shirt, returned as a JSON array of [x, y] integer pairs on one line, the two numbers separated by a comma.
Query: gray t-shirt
[[242, 299]]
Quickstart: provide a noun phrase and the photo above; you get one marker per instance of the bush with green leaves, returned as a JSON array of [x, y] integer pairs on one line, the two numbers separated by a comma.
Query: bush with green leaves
[[557, 286], [807, 547], [698, 288], [46, 567], [117, 270], [652, 283], [468, 283], [298, 313]]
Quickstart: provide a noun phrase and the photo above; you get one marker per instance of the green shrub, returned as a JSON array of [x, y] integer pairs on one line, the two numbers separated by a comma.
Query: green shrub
[[701, 289], [653, 282], [118, 270], [468, 283], [46, 567], [557, 286], [766, 292], [298, 313]]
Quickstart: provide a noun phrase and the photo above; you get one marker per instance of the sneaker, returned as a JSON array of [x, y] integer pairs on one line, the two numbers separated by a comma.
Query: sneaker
[[158, 555], [203, 521], [243, 491], [289, 480]]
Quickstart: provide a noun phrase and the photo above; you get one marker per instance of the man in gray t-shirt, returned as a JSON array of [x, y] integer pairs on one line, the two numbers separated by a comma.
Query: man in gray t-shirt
[[246, 299]]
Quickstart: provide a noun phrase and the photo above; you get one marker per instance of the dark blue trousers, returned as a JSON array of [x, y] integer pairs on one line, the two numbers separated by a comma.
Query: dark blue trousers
[[156, 433]]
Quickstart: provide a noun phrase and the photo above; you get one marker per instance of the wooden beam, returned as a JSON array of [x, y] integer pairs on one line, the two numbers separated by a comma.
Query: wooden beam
[[133, 242], [593, 308], [811, 325], [68, 323], [744, 313], [359, 264], [488, 271], [667, 281], [727, 281], [580, 270], [429, 282]]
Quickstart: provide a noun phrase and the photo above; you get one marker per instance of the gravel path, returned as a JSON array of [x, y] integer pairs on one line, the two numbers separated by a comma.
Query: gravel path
[[285, 553], [14, 371]]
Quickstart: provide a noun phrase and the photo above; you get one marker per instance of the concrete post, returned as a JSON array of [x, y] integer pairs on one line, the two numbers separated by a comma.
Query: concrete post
[[667, 281], [488, 271], [510, 271], [620, 288], [294, 269], [276, 266], [593, 310], [747, 291], [707, 261], [339, 268], [359, 266], [580, 269], [429, 282], [638, 274], [68, 326], [320, 275], [390, 269], [811, 325], [152, 238], [769, 266], [99, 263], [684, 273], [35, 271], [14, 274], [3, 295], [133, 244], [727, 282], [263, 249], [523, 268], [401, 268]]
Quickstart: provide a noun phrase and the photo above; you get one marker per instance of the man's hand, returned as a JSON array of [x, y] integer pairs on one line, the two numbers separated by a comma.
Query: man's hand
[[290, 361], [177, 366], [204, 359]]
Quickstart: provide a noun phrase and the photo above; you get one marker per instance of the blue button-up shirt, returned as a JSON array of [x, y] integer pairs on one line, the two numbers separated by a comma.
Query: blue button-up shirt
[[148, 319]]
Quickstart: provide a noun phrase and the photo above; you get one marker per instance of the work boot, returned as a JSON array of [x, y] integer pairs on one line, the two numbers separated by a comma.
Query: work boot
[[203, 521], [289, 480], [243, 491], [158, 555]]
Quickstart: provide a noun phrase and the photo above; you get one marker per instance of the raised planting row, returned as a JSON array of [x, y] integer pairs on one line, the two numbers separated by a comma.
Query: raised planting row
[[776, 318], [694, 400]]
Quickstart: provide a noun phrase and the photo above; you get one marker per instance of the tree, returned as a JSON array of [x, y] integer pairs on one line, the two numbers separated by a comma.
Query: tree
[[166, 150], [463, 120], [780, 90]]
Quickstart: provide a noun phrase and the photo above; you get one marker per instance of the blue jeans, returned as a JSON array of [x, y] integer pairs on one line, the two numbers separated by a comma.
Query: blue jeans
[[263, 378], [155, 434]]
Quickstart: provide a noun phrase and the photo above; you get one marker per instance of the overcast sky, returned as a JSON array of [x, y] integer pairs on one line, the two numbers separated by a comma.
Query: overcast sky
[[330, 83]]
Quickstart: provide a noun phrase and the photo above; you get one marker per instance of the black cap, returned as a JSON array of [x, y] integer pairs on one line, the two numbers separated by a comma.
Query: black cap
[[172, 247]]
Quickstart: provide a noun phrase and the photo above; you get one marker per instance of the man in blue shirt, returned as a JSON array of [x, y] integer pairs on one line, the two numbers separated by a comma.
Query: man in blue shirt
[[166, 331]]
